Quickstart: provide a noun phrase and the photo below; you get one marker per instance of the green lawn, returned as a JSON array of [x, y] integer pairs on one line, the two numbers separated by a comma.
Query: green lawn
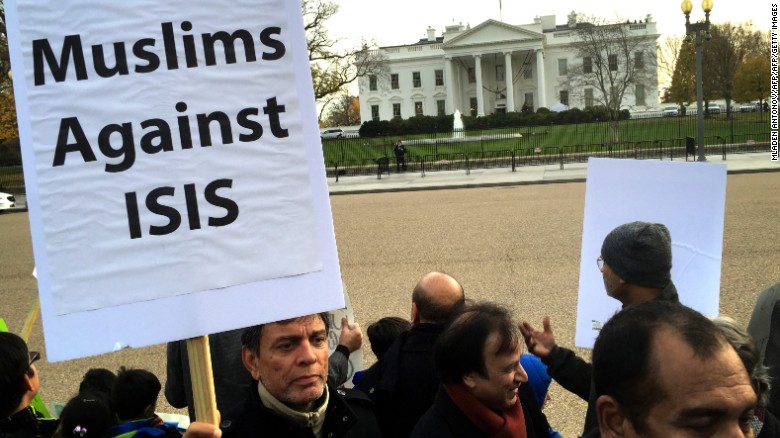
[[668, 130]]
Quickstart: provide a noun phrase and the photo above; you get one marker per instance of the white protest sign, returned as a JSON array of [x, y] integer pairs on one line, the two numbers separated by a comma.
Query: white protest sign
[[689, 198], [172, 159]]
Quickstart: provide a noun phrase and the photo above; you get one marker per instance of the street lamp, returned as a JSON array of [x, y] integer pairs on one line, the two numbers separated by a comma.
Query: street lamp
[[698, 28]]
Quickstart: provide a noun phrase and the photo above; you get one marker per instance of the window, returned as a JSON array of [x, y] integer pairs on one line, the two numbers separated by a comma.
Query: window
[[500, 73], [372, 82], [564, 97], [416, 83], [587, 64], [527, 71], [394, 81], [562, 67], [440, 107], [639, 60], [397, 110], [640, 94], [439, 77], [473, 105], [472, 75], [529, 101], [613, 63], [588, 97], [375, 113], [418, 110]]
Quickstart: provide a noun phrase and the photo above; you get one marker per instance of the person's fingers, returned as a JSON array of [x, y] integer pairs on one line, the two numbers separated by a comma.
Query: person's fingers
[[525, 329], [546, 323]]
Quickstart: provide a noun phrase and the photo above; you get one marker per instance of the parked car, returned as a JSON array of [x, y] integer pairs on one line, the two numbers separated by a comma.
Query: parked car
[[332, 133], [713, 108], [7, 201], [748, 107], [670, 111]]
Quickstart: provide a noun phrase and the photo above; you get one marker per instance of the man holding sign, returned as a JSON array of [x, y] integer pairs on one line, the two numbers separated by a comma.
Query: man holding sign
[[288, 361], [636, 263]]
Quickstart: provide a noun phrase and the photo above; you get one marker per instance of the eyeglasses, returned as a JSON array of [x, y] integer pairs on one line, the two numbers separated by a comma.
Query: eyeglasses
[[34, 356], [600, 262]]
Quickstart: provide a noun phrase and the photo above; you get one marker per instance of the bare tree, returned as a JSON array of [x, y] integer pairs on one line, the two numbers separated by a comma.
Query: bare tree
[[332, 69], [668, 52], [612, 60]]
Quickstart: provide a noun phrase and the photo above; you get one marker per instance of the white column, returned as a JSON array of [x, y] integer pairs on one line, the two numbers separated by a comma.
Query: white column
[[510, 89], [449, 82], [480, 98], [541, 96]]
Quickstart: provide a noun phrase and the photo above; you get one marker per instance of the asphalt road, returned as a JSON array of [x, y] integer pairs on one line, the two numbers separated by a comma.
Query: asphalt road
[[517, 245]]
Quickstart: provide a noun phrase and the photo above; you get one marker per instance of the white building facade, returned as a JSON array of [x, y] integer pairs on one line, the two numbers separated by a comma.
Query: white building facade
[[494, 67]]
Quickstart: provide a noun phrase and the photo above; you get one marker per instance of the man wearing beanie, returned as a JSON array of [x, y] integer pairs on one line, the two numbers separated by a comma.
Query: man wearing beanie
[[636, 263]]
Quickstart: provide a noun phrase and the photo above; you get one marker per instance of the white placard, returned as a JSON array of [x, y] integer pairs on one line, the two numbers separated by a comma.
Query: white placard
[[172, 159], [689, 198]]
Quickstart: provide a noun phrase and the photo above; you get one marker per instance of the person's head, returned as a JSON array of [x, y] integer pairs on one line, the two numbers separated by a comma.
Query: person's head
[[481, 349], [18, 376], [290, 358], [98, 381], [748, 353], [435, 298], [86, 416], [134, 395], [382, 333], [663, 370], [636, 254]]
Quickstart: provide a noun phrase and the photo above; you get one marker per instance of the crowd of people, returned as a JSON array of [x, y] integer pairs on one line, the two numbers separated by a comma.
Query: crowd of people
[[456, 368]]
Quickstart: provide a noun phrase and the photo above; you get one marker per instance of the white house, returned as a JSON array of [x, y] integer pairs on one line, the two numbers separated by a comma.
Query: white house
[[495, 67]]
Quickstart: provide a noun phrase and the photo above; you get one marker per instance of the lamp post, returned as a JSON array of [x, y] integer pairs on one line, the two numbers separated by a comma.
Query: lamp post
[[698, 28]]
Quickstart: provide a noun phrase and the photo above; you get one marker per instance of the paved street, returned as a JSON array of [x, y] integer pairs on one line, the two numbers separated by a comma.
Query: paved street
[[518, 245]]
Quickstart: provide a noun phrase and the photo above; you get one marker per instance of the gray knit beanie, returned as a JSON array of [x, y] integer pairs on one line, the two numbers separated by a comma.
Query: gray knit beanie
[[640, 253]]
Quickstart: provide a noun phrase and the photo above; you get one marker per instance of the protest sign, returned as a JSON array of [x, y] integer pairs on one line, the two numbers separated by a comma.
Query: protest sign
[[173, 168], [689, 198]]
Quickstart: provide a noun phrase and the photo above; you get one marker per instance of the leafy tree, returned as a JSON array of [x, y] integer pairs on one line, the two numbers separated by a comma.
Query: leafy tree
[[752, 80], [344, 110], [614, 69], [332, 69]]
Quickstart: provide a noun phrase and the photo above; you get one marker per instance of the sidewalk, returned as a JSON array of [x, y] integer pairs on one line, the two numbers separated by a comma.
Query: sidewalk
[[397, 182]]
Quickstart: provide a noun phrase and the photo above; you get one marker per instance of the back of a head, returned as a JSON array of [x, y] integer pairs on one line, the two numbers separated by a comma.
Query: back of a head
[[135, 390], [98, 381], [623, 365], [640, 253], [437, 297], [460, 348], [382, 333], [14, 363], [86, 416]]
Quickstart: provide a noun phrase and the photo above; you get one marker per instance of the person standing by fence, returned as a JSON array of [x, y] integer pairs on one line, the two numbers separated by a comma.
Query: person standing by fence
[[400, 156]]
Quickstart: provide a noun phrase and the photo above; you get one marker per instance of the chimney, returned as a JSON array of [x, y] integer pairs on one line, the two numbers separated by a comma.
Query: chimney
[[431, 34]]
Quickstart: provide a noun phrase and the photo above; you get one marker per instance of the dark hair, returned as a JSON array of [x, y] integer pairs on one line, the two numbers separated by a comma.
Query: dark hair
[[460, 349], [98, 381], [134, 390], [91, 415], [433, 310], [382, 333], [14, 364], [622, 355], [250, 338]]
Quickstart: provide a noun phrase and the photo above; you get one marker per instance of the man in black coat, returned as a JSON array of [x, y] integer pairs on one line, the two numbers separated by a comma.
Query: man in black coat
[[288, 361], [485, 390], [403, 382], [636, 264]]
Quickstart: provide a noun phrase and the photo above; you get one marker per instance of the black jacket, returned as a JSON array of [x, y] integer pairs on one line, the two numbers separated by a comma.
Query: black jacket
[[403, 383], [576, 376], [27, 423], [445, 419], [349, 415]]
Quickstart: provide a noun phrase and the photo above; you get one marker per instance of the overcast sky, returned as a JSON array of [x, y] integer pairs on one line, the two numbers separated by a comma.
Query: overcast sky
[[397, 22]]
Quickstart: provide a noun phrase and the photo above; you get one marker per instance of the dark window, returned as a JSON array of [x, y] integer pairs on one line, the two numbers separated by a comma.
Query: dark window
[[418, 109], [416, 83], [375, 113], [397, 110], [440, 107], [372, 82], [473, 104], [613, 63], [588, 97], [394, 81], [472, 75], [527, 71], [639, 60], [587, 64], [439, 76], [564, 97]]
